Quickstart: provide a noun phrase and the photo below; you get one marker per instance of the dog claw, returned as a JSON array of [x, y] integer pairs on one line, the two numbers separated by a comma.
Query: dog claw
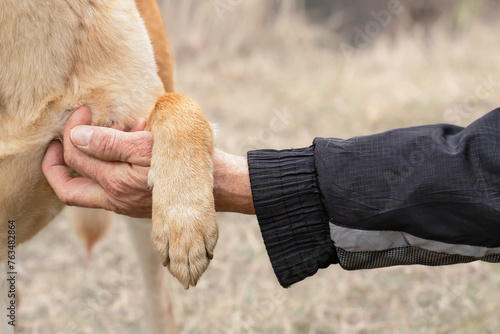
[[187, 255]]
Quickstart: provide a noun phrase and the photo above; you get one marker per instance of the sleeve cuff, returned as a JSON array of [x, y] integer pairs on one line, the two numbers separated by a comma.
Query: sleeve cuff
[[292, 218]]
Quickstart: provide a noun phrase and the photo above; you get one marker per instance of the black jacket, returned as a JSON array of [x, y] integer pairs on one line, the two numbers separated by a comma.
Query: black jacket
[[422, 195]]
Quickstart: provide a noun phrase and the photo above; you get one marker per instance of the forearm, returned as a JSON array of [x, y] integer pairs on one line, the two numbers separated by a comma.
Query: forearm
[[424, 195], [232, 191]]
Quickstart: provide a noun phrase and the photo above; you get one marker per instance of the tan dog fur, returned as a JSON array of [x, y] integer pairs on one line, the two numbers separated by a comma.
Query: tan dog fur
[[59, 54]]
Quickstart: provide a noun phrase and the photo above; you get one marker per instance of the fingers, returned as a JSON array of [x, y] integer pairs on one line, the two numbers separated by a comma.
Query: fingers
[[112, 158], [112, 145], [81, 191], [53, 165], [87, 193], [139, 125], [98, 152], [81, 116], [118, 182], [108, 144]]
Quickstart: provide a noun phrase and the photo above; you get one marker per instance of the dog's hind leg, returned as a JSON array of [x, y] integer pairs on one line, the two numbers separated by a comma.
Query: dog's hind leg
[[90, 224], [158, 304]]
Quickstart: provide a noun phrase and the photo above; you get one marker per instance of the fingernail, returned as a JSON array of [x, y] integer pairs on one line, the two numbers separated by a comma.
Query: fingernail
[[80, 135]]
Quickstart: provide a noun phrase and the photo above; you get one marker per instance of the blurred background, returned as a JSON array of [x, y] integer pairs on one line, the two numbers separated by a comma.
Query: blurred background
[[276, 74]]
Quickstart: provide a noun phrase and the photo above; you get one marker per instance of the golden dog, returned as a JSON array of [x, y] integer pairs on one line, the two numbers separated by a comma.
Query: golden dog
[[56, 55]]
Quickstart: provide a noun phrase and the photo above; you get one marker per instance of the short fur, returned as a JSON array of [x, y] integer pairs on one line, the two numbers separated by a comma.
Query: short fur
[[56, 55]]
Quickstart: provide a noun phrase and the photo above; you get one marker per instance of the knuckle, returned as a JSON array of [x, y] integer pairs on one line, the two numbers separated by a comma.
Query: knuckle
[[68, 158], [107, 144], [145, 145], [66, 198], [140, 147], [111, 204], [114, 190], [138, 178], [118, 206], [115, 186]]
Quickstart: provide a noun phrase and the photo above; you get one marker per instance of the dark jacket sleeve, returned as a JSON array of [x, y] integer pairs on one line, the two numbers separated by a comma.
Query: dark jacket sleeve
[[292, 218], [422, 195]]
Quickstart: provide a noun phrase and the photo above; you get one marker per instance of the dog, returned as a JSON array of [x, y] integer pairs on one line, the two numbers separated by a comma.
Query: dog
[[113, 56]]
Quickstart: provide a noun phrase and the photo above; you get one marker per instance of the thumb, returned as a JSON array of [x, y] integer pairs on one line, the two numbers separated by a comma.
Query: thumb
[[113, 145]]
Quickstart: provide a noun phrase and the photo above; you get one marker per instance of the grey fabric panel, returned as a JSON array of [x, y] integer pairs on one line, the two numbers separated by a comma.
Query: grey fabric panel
[[403, 256], [352, 240]]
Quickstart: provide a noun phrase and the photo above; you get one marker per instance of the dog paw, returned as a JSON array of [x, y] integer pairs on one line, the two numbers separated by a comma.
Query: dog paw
[[185, 238]]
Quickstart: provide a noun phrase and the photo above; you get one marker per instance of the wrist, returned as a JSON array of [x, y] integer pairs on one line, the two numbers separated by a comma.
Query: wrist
[[232, 191]]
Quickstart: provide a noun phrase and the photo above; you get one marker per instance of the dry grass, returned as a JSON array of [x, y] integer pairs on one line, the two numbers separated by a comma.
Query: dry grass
[[243, 69]]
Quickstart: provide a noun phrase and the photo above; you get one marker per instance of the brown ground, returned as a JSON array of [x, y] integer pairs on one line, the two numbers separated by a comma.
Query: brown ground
[[245, 69]]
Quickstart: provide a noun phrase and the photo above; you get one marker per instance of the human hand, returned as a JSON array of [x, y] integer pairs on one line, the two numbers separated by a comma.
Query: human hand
[[114, 163], [115, 166]]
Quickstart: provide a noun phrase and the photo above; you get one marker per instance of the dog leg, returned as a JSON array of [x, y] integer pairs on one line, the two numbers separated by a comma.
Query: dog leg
[[90, 225], [188, 219], [184, 227], [158, 305]]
